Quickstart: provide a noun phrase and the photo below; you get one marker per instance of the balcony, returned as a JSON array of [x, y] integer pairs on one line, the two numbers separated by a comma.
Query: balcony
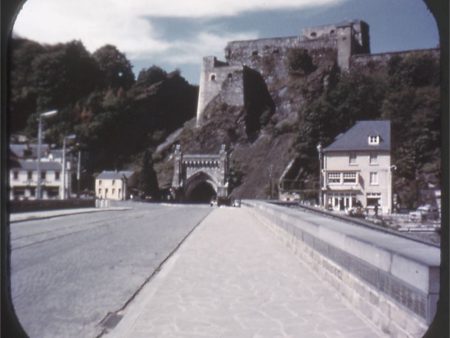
[[343, 181]]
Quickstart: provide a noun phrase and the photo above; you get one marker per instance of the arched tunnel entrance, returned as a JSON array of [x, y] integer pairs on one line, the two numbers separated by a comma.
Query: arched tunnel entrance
[[200, 188], [203, 192]]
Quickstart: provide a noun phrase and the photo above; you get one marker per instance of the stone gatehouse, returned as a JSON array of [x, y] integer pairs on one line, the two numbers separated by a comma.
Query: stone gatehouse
[[200, 177]]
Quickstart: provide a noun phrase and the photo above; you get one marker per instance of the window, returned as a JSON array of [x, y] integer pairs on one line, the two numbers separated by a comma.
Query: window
[[373, 178], [374, 139], [334, 178], [99, 182], [373, 199], [57, 175], [255, 53], [106, 192], [373, 158], [43, 175], [30, 175], [212, 77], [113, 182], [32, 192], [100, 191], [350, 178], [15, 174], [352, 158]]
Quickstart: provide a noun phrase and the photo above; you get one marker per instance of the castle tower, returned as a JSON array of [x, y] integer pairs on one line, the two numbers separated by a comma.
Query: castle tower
[[213, 75], [352, 38]]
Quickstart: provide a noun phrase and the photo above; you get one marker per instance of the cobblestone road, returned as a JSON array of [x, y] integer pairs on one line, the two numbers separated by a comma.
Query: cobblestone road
[[69, 272], [232, 278]]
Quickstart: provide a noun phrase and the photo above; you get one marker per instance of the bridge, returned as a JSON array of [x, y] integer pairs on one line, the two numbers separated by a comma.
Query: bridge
[[200, 177], [262, 270], [229, 280]]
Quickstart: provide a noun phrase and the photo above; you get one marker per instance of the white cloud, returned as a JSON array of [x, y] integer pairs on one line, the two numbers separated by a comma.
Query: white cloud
[[125, 24], [204, 44]]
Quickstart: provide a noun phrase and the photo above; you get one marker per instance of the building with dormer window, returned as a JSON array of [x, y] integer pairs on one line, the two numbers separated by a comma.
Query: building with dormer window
[[356, 168]]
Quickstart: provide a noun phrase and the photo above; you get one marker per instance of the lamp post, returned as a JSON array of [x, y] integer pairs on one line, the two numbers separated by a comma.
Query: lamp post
[[38, 167], [319, 151], [78, 172], [68, 137]]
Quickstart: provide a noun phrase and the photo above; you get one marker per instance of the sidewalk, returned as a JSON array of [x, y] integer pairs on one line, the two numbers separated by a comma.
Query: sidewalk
[[33, 215], [232, 278]]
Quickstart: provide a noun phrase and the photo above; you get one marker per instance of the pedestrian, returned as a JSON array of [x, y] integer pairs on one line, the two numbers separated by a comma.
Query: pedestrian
[[376, 209]]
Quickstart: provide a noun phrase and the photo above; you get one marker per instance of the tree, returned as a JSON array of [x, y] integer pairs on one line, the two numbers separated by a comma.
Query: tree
[[115, 68], [151, 75], [23, 93], [63, 74], [148, 182]]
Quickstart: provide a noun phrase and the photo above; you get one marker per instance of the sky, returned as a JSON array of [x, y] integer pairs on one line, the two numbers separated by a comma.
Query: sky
[[176, 34]]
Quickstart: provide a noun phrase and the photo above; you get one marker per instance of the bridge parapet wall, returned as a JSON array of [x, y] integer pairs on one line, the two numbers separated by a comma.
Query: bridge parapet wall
[[392, 281]]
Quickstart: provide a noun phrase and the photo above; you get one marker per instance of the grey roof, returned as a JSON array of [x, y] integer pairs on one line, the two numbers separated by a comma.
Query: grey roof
[[356, 138], [19, 148], [32, 165], [113, 175]]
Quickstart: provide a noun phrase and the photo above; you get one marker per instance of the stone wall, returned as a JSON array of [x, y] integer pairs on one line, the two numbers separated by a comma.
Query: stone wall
[[397, 289], [379, 62], [269, 58]]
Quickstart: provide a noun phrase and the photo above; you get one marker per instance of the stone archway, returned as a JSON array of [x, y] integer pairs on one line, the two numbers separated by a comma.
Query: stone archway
[[200, 177], [200, 188]]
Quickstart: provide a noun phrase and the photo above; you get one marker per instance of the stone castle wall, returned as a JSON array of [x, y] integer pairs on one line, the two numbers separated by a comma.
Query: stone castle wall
[[380, 61], [269, 58], [346, 44]]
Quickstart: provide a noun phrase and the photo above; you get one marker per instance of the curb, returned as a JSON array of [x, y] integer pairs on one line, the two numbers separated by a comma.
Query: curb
[[35, 217]]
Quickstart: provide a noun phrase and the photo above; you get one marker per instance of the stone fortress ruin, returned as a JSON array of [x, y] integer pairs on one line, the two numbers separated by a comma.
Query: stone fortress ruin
[[263, 63], [228, 78]]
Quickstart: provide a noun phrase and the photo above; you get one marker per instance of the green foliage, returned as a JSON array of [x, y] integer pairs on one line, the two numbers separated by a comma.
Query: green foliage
[[151, 75], [408, 96], [148, 182], [63, 74], [116, 70], [113, 116]]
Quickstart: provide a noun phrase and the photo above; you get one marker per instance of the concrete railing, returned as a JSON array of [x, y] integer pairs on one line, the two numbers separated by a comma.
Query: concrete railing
[[101, 203], [392, 281]]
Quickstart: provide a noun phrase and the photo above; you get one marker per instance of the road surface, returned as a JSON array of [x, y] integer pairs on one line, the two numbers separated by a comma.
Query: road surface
[[68, 273]]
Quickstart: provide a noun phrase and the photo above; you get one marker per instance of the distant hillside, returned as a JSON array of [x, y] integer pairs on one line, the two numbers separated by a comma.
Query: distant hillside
[[294, 99]]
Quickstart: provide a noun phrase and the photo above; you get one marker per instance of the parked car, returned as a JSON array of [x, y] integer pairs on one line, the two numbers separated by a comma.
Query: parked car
[[356, 212], [237, 203], [424, 212]]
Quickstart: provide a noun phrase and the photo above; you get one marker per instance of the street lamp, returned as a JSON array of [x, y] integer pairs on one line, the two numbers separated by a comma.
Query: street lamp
[[319, 151], [41, 116], [68, 137]]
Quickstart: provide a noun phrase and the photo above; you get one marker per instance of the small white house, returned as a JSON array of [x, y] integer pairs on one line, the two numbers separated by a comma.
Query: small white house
[[113, 185], [357, 168]]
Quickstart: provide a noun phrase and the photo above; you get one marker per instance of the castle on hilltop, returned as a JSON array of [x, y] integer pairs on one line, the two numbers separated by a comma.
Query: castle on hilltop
[[264, 61]]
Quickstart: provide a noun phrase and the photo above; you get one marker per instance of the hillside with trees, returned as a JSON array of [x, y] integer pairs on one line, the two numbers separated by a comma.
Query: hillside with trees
[[116, 117], [120, 120]]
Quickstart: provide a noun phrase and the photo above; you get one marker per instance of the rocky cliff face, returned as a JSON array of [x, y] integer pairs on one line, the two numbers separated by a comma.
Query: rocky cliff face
[[295, 97]]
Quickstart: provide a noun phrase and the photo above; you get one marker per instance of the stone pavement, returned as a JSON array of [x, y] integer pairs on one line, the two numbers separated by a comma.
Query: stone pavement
[[232, 278]]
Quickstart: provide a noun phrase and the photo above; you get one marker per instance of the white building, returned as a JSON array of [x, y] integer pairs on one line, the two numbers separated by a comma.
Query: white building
[[356, 168], [23, 173], [113, 185]]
